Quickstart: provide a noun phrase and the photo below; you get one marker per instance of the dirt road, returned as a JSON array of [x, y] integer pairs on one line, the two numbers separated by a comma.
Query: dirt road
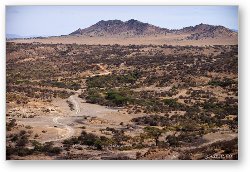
[[87, 109], [70, 130]]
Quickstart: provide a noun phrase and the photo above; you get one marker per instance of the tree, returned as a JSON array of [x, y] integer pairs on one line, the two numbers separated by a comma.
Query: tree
[[154, 133]]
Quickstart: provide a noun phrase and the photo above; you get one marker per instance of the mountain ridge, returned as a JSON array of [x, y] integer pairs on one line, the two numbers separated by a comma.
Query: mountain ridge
[[134, 27]]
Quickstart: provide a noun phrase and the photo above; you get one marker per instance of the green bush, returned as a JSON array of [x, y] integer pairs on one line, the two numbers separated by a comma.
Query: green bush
[[117, 98], [110, 81], [170, 102], [222, 83], [172, 141], [88, 139]]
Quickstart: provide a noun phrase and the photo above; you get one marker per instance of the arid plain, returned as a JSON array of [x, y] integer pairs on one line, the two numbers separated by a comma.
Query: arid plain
[[124, 90]]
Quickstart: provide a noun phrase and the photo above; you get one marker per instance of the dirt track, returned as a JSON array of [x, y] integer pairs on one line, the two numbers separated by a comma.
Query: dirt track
[[64, 123]]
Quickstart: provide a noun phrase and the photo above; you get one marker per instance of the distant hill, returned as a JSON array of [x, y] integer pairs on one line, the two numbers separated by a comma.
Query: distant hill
[[203, 31], [15, 36], [133, 28], [119, 28]]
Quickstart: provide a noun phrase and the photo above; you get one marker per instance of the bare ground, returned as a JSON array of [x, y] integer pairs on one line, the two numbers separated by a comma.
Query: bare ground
[[170, 39]]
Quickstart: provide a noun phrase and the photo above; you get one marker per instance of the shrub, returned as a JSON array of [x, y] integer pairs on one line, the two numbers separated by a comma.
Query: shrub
[[11, 124], [154, 133], [171, 102], [152, 120], [222, 83], [117, 98], [172, 140], [71, 106]]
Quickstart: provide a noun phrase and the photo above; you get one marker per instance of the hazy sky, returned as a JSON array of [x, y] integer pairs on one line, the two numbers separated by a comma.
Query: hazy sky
[[59, 20]]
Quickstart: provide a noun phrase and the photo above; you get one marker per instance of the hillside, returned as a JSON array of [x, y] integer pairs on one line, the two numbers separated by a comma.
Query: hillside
[[202, 31], [119, 28]]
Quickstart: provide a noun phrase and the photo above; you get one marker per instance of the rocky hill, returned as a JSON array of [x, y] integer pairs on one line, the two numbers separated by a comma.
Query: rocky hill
[[119, 28], [133, 28], [203, 31]]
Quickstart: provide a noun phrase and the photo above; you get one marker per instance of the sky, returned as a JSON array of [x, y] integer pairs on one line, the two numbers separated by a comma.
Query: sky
[[62, 20]]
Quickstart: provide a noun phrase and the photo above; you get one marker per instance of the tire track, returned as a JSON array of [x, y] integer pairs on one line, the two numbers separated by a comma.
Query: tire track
[[70, 130]]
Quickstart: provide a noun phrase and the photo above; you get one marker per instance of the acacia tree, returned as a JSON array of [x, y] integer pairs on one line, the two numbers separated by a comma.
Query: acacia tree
[[154, 133]]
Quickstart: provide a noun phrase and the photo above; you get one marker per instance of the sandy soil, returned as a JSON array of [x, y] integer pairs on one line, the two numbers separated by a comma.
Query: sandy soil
[[152, 88], [170, 39], [63, 123]]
